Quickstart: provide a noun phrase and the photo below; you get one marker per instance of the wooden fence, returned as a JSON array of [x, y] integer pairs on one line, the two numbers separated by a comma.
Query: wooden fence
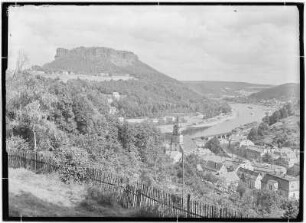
[[128, 195]]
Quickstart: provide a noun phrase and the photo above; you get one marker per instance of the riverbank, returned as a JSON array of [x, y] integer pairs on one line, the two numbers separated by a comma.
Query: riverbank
[[197, 122], [242, 114]]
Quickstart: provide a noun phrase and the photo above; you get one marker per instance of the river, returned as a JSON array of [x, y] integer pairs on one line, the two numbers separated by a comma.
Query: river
[[243, 114]]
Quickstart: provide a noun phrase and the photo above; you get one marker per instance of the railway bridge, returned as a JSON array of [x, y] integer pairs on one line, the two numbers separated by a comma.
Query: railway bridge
[[225, 135]]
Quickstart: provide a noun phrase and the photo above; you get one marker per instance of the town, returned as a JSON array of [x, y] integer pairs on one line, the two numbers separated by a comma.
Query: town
[[242, 162]]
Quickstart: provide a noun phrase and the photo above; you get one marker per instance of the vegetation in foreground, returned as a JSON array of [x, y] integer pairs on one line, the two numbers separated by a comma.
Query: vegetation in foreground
[[37, 195], [71, 122]]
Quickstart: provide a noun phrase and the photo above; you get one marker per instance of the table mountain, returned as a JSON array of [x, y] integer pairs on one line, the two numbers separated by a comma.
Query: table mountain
[[152, 93]]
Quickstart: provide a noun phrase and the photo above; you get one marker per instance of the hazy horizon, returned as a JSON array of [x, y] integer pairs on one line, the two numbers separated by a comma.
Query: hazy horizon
[[253, 44]]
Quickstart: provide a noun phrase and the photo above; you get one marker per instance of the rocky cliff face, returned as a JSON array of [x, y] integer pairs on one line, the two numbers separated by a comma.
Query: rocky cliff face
[[118, 58]]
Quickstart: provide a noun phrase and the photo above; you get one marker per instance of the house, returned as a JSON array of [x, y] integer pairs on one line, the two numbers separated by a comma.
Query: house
[[246, 164], [121, 119], [223, 141], [230, 179], [112, 110], [288, 186], [203, 153], [251, 152], [251, 178], [200, 143], [154, 120], [109, 100], [199, 167], [116, 95], [231, 165], [236, 138], [268, 168], [246, 143], [215, 167], [294, 170], [104, 74], [288, 154], [136, 120], [170, 119]]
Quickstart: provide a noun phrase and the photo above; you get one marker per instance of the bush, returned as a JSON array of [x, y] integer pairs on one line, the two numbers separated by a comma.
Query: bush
[[101, 202], [148, 212], [16, 142], [102, 197], [73, 162]]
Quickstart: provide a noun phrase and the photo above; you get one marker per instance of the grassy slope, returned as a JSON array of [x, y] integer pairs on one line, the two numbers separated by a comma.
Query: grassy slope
[[37, 195]]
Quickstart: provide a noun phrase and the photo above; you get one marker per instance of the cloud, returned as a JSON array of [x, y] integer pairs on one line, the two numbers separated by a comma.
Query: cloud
[[234, 43]]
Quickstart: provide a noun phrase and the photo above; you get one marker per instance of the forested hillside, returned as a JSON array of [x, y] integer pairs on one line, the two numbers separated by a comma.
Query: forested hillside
[[281, 129], [282, 92], [68, 118], [70, 122], [218, 89], [152, 94]]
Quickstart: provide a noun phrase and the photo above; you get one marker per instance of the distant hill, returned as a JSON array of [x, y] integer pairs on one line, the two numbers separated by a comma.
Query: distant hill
[[151, 93], [280, 92], [218, 89]]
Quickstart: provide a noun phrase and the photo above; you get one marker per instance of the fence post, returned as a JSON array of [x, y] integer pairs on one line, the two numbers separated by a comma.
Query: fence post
[[35, 162], [188, 206], [138, 202]]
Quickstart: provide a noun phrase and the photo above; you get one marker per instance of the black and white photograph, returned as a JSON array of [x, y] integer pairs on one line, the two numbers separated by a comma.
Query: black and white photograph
[[152, 111]]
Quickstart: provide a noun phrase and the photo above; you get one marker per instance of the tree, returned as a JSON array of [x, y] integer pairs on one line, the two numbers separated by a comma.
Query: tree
[[282, 162], [253, 134], [214, 145], [21, 62], [266, 118], [289, 108], [241, 188], [267, 201], [283, 112], [263, 129], [267, 158], [291, 209], [276, 116]]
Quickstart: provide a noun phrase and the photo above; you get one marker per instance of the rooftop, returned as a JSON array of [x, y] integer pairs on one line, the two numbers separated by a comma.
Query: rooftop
[[248, 172], [254, 148], [214, 166]]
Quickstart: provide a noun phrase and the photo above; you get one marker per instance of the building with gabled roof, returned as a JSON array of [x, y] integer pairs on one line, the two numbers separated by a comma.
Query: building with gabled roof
[[230, 178], [214, 167], [288, 186], [252, 152], [116, 95], [288, 155], [250, 177]]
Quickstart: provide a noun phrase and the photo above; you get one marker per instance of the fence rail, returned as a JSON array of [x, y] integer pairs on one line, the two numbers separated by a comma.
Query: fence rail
[[128, 195]]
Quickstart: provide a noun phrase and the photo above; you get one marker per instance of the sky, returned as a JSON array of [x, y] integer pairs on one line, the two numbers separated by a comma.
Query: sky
[[256, 44]]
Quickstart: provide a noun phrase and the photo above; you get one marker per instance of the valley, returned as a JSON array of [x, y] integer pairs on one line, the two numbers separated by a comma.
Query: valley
[[88, 116]]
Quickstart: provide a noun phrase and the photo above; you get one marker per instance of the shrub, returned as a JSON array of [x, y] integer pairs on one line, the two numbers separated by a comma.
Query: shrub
[[16, 142], [148, 212], [105, 198], [73, 162]]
